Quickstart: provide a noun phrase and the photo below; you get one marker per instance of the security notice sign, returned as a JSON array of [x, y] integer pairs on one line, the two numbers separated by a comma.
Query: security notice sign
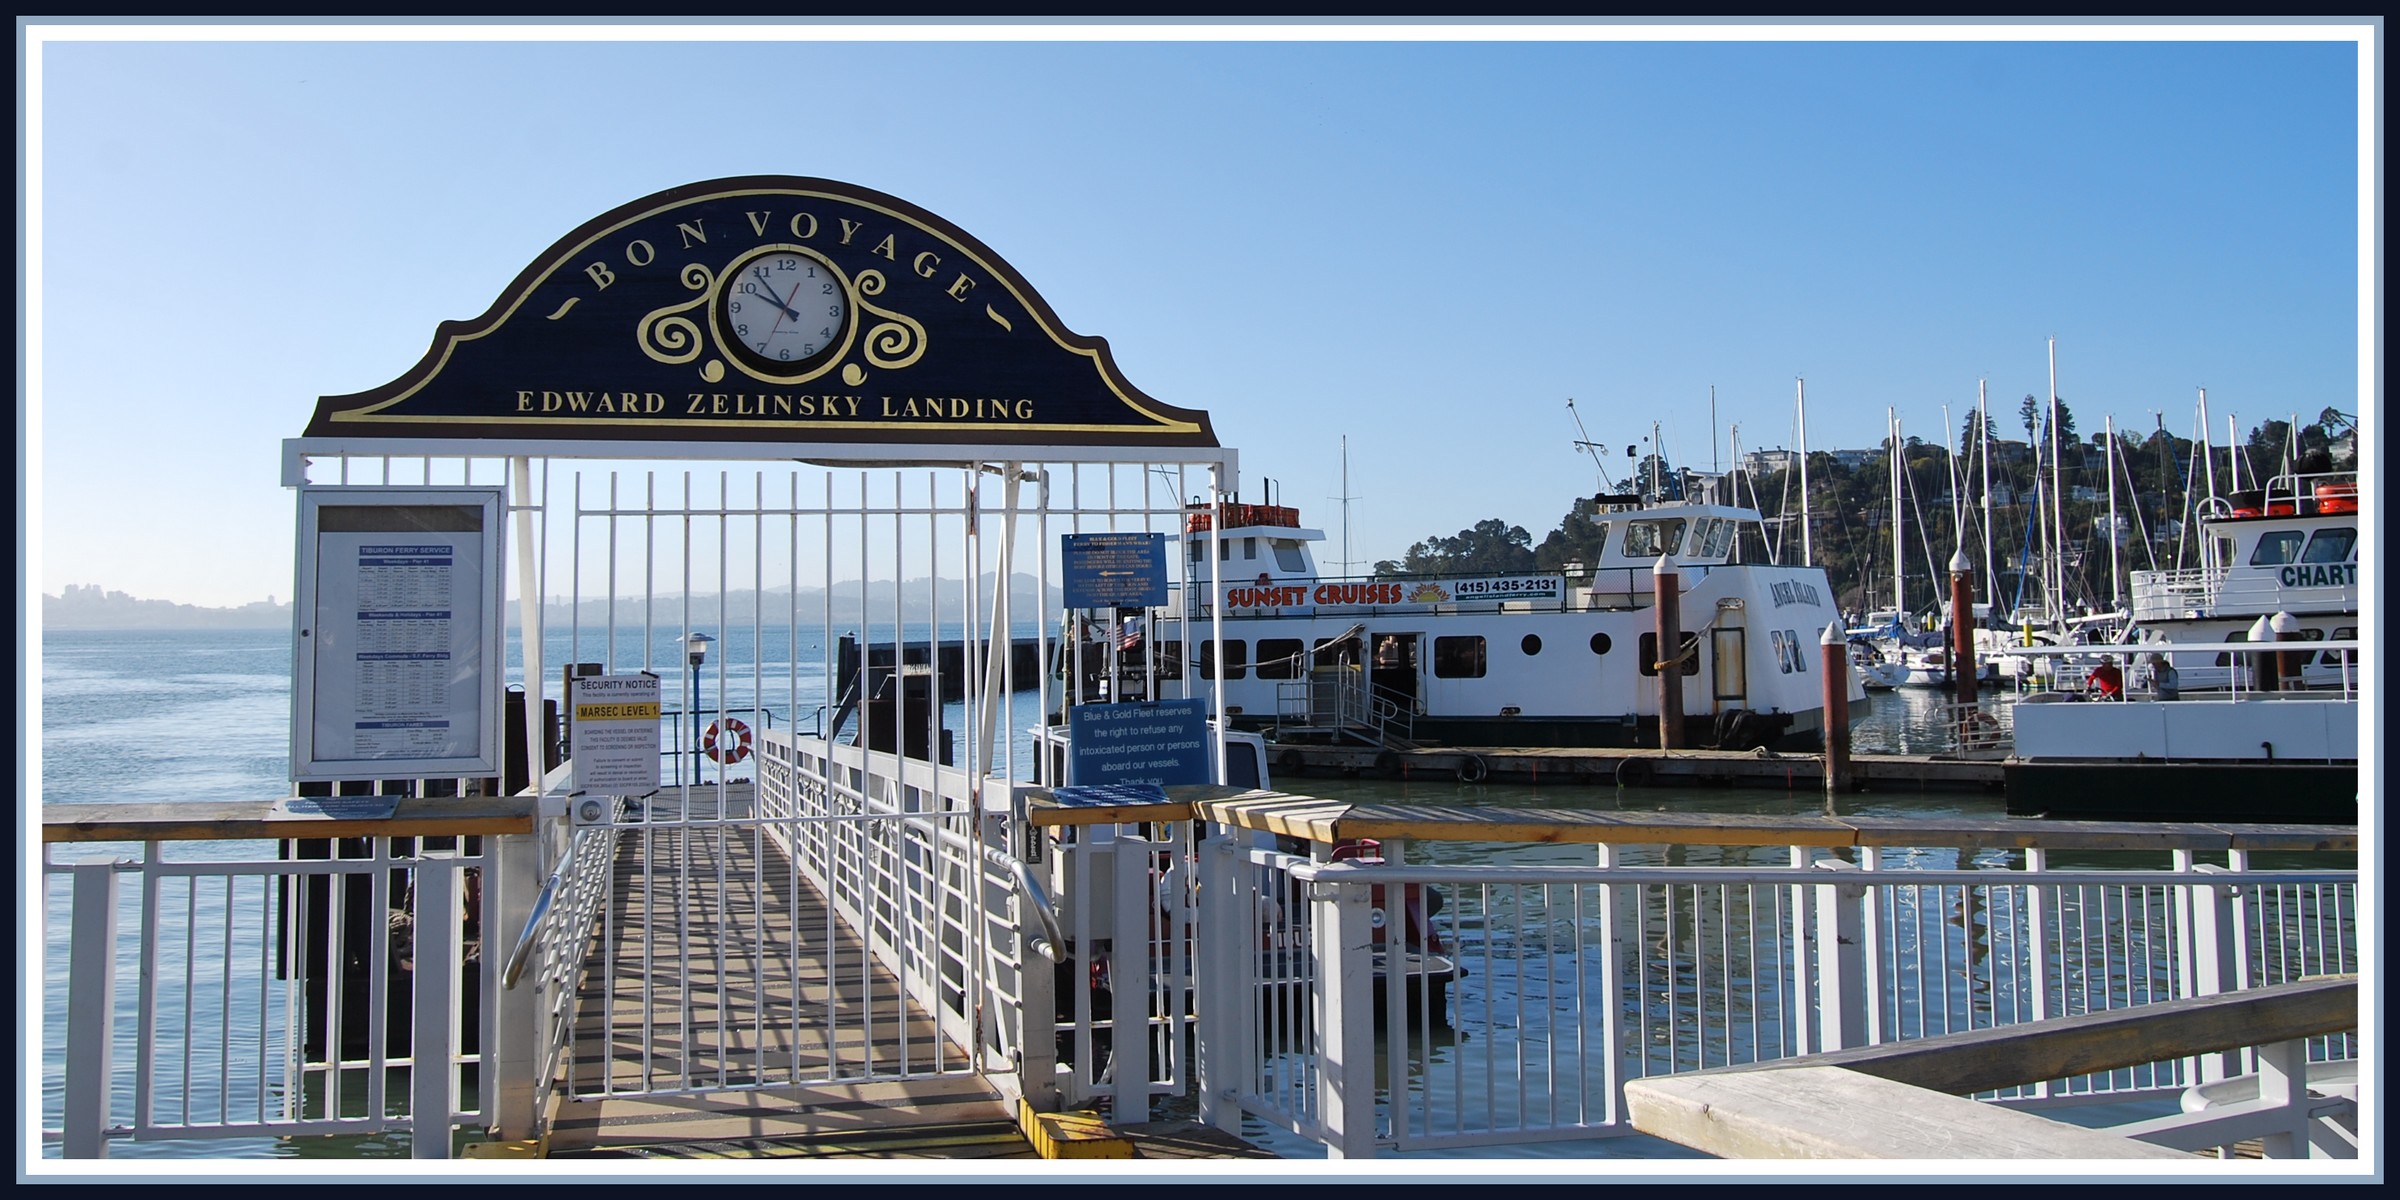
[[616, 735]]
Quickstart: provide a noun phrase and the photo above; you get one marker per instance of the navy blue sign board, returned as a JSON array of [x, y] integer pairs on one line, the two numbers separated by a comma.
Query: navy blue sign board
[[767, 309], [1162, 743], [1115, 570]]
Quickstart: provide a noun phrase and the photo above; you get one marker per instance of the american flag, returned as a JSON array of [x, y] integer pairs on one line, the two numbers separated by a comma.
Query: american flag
[[1130, 637]]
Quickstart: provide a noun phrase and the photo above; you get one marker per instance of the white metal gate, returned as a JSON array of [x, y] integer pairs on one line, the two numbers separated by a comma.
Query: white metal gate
[[843, 902]]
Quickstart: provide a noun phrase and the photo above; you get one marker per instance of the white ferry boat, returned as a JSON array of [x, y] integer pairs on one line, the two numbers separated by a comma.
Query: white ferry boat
[[1515, 660], [2290, 548], [2231, 733]]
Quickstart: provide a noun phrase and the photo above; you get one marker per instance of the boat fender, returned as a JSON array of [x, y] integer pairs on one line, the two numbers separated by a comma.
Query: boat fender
[[1388, 761], [1290, 761], [1635, 772], [727, 741], [1471, 769]]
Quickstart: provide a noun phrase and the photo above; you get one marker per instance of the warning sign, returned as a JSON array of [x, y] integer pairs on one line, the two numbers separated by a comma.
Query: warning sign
[[616, 734]]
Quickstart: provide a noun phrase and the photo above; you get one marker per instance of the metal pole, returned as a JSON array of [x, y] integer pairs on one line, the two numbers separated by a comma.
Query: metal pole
[[1833, 667], [1962, 633], [1666, 588]]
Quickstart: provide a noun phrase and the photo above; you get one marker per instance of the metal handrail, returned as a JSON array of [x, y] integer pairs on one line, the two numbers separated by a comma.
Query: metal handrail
[[1051, 943], [520, 953]]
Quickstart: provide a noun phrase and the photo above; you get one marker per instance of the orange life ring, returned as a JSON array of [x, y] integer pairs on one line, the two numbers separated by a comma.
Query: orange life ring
[[727, 741]]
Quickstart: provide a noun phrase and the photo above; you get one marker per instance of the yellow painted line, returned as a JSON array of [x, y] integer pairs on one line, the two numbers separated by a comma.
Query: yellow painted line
[[1070, 1135]]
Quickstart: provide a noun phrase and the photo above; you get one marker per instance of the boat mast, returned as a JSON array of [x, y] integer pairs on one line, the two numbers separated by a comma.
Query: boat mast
[[2208, 452], [1991, 564], [2116, 594], [1808, 554], [1346, 498], [2056, 568], [1899, 571]]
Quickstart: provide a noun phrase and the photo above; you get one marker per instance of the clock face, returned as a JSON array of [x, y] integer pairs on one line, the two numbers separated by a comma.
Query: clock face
[[783, 313]]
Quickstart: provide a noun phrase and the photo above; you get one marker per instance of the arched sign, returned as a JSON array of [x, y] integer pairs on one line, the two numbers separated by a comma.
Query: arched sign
[[766, 309]]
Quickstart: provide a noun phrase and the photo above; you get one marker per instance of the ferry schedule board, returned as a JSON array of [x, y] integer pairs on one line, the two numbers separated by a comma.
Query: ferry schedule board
[[1114, 570], [396, 660]]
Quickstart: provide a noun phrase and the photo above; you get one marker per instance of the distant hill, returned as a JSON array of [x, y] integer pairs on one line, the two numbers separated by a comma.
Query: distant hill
[[88, 607]]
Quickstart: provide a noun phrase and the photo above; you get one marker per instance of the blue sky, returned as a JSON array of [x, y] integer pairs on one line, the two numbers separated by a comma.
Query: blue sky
[[1426, 246]]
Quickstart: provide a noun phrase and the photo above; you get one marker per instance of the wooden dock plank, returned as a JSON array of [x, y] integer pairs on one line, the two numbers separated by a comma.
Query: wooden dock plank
[[1827, 1112]]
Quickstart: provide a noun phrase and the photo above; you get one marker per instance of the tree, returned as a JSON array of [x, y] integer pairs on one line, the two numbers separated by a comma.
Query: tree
[[1578, 538], [1978, 429], [1492, 547]]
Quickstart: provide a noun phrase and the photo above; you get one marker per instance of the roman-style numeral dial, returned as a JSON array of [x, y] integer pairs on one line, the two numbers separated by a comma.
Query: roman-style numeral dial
[[783, 313]]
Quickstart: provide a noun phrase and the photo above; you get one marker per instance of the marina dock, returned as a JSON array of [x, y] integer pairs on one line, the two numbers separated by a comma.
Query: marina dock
[[1635, 767]]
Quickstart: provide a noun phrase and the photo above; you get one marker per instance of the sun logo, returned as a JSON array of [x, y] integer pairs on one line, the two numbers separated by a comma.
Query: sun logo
[[1430, 593]]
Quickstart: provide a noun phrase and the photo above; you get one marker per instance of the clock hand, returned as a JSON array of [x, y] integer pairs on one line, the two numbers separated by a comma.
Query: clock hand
[[778, 301]]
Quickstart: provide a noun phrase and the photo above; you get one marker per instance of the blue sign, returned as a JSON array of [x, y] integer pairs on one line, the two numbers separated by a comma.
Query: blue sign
[[1163, 743], [1115, 570]]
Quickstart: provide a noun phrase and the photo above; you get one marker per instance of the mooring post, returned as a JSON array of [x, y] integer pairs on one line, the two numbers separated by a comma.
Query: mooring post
[[1667, 586], [2288, 662], [2264, 674], [1963, 667], [1834, 669]]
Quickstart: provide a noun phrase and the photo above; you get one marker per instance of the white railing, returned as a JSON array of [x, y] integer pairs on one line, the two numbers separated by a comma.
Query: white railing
[[218, 991], [898, 851], [1574, 980]]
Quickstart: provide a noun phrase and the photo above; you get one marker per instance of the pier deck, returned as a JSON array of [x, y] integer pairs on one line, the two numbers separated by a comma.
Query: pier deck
[[727, 1012]]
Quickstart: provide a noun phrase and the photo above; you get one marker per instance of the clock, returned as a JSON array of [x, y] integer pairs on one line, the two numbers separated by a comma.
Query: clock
[[782, 313]]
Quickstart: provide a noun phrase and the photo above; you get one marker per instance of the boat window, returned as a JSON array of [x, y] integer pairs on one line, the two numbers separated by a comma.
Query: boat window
[[2277, 548], [1249, 547], [1691, 654], [1799, 651], [1287, 555], [1600, 643], [1720, 539], [1199, 548], [1224, 548], [1783, 650], [2331, 546], [1335, 652], [1279, 658], [1458, 657], [2333, 658], [2225, 657], [1235, 651], [1649, 539], [1531, 645]]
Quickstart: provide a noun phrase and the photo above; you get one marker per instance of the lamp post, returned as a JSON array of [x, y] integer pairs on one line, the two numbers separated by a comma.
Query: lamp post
[[695, 647]]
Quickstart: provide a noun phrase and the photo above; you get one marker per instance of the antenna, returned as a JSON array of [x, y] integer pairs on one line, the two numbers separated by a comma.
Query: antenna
[[1588, 446], [1346, 498]]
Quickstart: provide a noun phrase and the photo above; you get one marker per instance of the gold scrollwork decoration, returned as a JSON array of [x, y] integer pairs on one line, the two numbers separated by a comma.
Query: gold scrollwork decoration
[[665, 334], [895, 342]]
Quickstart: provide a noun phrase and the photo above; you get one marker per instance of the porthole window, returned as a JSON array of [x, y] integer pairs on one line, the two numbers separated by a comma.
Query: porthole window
[[1599, 643], [1532, 645]]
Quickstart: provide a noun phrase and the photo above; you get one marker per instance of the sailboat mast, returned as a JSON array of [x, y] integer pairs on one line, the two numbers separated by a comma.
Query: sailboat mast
[[2056, 568], [1899, 571], [1991, 564], [2116, 594], [1808, 554]]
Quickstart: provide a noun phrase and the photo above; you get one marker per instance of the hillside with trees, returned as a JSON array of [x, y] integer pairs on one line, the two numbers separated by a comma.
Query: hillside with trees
[[2158, 481]]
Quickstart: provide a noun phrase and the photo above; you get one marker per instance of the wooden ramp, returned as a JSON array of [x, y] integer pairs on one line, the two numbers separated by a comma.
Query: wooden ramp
[[726, 1004], [726, 1012]]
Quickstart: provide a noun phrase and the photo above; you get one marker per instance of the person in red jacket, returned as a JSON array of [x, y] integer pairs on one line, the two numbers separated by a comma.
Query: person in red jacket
[[2106, 682]]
